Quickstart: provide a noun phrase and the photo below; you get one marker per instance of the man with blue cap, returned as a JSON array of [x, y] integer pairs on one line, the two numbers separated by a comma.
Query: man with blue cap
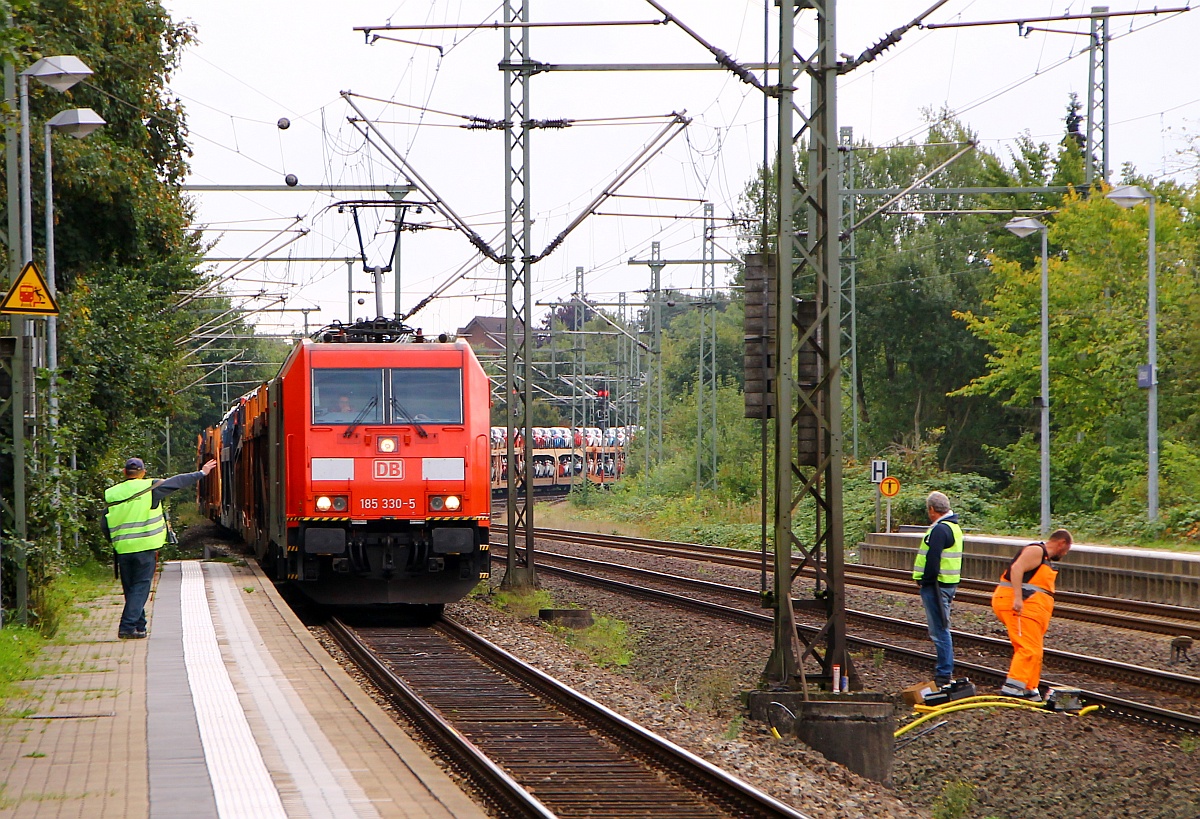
[[135, 525]]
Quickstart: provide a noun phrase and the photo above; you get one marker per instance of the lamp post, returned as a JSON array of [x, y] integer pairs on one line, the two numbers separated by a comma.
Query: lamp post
[[1023, 226], [78, 122], [60, 73], [1127, 196]]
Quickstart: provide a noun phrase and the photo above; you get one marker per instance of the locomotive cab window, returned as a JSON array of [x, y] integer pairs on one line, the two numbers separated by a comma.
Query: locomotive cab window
[[392, 396], [346, 396], [426, 396]]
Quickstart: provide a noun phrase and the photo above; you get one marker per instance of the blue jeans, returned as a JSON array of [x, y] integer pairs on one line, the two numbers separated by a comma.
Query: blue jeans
[[137, 573], [937, 614]]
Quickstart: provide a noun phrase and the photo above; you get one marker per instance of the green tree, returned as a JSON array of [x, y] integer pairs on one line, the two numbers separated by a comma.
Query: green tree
[[1098, 296]]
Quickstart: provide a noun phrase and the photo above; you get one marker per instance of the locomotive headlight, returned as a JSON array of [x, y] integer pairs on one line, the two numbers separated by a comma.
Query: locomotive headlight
[[324, 503], [437, 503], [387, 443], [453, 503], [340, 504]]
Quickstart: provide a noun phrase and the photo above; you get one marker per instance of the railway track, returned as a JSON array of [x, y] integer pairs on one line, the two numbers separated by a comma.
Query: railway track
[[1104, 670], [532, 746], [1137, 615]]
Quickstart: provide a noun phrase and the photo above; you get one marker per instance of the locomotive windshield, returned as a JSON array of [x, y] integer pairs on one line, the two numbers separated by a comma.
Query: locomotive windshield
[[428, 396], [391, 396]]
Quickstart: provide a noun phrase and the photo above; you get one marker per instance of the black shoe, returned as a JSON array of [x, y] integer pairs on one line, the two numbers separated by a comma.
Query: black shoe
[[131, 635], [941, 682]]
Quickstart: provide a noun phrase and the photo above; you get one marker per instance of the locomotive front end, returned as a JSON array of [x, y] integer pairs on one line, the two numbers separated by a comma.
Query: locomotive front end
[[389, 496]]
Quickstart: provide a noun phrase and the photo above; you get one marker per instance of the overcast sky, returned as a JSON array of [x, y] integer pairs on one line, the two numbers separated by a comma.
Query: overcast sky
[[256, 62]]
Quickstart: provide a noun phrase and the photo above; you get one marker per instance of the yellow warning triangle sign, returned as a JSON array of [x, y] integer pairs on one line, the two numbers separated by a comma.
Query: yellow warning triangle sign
[[29, 294]]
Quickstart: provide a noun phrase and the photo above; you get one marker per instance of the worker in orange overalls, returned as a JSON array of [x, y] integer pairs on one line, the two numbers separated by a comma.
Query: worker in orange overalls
[[1027, 615]]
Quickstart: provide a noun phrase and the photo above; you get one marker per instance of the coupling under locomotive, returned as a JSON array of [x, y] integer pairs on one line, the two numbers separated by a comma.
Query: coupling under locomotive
[[361, 471]]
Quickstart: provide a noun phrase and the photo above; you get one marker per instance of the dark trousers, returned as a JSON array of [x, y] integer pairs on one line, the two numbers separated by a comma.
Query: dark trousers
[[137, 573], [937, 599]]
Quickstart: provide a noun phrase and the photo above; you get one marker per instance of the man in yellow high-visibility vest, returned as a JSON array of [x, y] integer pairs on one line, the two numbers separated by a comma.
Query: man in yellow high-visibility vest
[[938, 569], [135, 525]]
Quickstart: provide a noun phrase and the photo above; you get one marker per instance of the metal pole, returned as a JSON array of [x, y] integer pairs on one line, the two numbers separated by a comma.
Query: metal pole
[[377, 275], [52, 333], [14, 261], [657, 379], [1045, 471], [786, 656], [849, 281], [808, 392], [1152, 421], [21, 384], [578, 392], [518, 289], [706, 383], [396, 258], [1097, 101], [51, 284], [26, 185], [349, 291]]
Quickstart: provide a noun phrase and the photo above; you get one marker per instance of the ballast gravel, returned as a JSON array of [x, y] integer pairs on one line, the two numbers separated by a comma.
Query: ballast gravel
[[686, 672]]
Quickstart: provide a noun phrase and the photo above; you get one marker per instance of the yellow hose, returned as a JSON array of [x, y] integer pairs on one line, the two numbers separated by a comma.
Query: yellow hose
[[960, 706], [925, 709]]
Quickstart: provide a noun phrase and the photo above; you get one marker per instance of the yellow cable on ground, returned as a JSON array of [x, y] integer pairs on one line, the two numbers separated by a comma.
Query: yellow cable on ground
[[977, 698], [1028, 706]]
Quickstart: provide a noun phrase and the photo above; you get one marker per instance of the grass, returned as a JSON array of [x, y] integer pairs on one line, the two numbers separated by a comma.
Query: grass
[[61, 599], [955, 801], [54, 602], [522, 603], [606, 641], [20, 647]]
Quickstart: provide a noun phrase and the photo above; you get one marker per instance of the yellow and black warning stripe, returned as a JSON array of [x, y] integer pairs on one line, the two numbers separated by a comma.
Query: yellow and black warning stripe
[[306, 519], [459, 517]]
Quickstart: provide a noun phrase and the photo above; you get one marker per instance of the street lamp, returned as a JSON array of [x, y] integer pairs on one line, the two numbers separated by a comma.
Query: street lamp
[[1127, 196], [61, 74], [1023, 226], [78, 122]]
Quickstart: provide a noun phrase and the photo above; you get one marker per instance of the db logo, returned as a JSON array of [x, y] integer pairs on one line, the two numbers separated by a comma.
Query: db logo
[[389, 470]]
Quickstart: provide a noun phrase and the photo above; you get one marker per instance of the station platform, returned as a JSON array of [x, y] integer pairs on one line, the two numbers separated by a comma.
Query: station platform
[[229, 709], [1152, 575]]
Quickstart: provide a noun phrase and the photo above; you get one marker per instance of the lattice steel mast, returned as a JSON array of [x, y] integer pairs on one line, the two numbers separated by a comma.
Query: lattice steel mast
[[518, 293], [808, 430], [1096, 157], [706, 384]]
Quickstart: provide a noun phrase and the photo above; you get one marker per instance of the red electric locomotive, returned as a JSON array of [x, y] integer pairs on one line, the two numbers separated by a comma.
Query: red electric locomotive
[[360, 472]]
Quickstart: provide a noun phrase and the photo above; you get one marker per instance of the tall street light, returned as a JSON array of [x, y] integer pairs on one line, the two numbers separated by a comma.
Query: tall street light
[[78, 122], [1127, 196], [60, 73], [1023, 226]]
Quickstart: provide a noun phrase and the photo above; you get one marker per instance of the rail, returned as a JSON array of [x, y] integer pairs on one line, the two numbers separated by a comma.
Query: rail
[[1119, 706], [527, 734]]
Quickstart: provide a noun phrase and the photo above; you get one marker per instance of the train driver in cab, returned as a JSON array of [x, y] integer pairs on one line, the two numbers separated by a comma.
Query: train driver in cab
[[342, 410]]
